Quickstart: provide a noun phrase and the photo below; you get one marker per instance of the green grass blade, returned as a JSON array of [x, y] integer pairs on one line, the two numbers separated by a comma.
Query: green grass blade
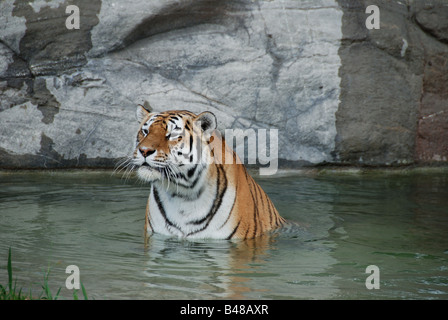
[[13, 292], [84, 293], [75, 294], [45, 286], [9, 270], [57, 294]]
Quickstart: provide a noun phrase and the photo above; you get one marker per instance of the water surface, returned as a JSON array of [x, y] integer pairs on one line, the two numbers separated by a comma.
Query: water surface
[[396, 220]]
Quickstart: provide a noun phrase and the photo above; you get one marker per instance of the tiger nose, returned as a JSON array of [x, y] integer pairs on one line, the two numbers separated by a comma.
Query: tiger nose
[[146, 151]]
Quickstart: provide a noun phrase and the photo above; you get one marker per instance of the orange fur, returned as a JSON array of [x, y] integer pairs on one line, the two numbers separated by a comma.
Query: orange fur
[[253, 213]]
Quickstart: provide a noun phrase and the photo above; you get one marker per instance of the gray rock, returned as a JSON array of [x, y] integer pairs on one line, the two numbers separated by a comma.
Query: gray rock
[[384, 82]]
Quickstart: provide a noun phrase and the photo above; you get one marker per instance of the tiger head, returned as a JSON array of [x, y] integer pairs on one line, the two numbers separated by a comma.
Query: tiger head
[[170, 144]]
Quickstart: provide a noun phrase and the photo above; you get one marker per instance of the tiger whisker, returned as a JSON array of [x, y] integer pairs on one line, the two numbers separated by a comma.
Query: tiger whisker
[[174, 172], [125, 164]]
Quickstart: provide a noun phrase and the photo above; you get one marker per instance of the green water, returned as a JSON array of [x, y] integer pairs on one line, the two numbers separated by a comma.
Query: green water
[[397, 221]]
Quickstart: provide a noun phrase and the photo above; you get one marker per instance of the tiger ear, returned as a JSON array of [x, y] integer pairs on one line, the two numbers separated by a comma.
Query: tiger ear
[[142, 111], [207, 121]]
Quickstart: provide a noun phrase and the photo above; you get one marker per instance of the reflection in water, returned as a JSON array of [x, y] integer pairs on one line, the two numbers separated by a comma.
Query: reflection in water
[[239, 269], [197, 269]]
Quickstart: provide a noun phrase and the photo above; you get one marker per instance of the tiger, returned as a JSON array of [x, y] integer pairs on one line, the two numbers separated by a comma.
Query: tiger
[[196, 192]]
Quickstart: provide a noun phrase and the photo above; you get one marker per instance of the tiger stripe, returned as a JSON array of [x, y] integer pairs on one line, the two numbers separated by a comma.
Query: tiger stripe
[[162, 210], [221, 187]]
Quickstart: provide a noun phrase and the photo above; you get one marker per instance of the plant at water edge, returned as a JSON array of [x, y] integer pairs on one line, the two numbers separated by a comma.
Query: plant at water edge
[[84, 293], [12, 293], [46, 289]]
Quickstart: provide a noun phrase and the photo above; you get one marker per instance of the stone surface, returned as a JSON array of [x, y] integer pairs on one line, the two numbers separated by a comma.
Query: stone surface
[[393, 102], [337, 92], [432, 133]]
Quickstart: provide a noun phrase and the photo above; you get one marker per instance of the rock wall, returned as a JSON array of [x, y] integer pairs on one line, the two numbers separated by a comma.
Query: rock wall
[[394, 84], [336, 91]]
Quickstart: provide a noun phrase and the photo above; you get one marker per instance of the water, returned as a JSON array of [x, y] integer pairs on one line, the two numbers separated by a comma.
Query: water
[[397, 221]]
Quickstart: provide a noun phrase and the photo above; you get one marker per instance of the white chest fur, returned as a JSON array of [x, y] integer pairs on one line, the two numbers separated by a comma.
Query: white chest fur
[[207, 216]]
